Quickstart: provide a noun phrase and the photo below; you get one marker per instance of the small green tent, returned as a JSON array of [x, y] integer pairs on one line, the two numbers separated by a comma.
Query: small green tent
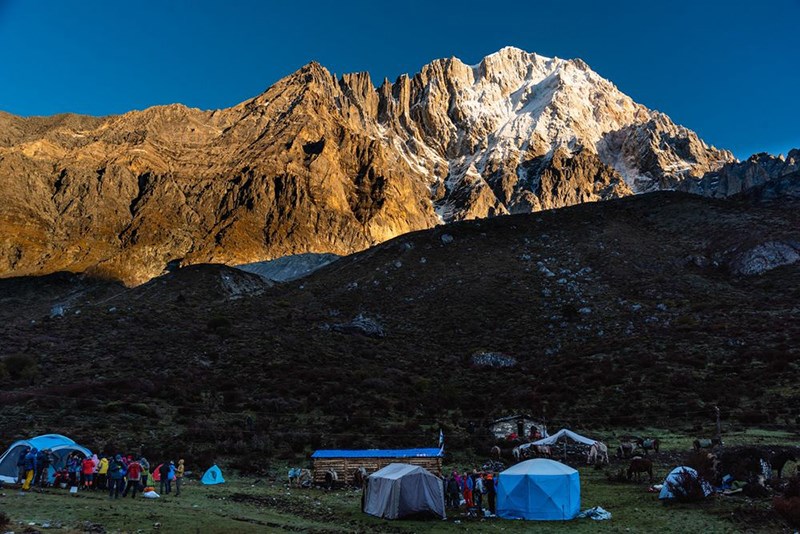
[[213, 476]]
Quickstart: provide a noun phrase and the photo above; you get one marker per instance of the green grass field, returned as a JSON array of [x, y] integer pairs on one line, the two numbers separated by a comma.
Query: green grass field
[[244, 504]]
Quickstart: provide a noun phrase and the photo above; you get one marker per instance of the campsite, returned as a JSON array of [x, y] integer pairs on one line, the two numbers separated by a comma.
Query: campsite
[[253, 503]]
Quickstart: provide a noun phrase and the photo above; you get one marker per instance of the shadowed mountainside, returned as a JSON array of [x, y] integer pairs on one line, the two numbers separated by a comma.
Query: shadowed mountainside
[[640, 310]]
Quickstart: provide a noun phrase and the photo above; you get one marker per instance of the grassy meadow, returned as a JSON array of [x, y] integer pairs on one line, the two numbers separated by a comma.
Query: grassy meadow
[[259, 504]]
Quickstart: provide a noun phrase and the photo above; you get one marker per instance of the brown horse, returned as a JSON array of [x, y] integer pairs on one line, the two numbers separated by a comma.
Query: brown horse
[[638, 466]]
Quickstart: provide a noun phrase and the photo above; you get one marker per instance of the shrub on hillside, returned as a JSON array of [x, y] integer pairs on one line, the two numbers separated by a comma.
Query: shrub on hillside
[[219, 325], [20, 366]]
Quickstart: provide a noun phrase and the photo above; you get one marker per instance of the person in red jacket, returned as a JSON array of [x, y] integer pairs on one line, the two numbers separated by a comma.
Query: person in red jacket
[[87, 473], [134, 478]]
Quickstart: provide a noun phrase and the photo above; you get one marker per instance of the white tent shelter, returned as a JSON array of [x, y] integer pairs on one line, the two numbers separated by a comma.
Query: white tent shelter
[[400, 490], [562, 436]]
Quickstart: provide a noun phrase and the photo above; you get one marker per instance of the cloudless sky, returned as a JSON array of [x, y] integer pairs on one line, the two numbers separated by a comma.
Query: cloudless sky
[[729, 70]]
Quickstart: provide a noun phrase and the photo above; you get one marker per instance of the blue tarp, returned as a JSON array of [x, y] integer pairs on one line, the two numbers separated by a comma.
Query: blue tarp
[[213, 476], [539, 489], [378, 453]]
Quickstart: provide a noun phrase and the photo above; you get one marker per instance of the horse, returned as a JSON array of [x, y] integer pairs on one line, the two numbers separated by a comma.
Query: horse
[[744, 463], [510, 454], [640, 465], [707, 443], [598, 454], [779, 459], [625, 449], [331, 478], [359, 476], [648, 443], [299, 476]]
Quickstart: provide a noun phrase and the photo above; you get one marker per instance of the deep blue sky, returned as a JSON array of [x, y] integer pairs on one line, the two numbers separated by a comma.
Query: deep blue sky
[[730, 70]]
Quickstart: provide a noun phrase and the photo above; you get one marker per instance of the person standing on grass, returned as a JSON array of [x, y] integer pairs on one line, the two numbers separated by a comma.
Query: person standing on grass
[[145, 472], [45, 460], [87, 473], [452, 492], [171, 475], [30, 469], [40, 467], [74, 468], [165, 482], [21, 465], [179, 471], [116, 477], [467, 486], [134, 477], [480, 489], [102, 473], [491, 492]]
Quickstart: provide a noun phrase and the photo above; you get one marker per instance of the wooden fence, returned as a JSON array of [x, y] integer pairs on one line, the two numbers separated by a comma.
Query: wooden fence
[[346, 467]]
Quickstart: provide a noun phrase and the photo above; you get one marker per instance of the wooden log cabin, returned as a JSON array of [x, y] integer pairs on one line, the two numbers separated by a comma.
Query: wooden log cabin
[[346, 462]]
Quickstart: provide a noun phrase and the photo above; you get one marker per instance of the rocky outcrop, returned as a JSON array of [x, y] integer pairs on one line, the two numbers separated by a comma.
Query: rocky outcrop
[[320, 165], [764, 257], [737, 177]]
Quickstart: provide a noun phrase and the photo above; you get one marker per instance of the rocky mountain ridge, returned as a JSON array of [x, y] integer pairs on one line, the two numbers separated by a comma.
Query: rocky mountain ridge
[[328, 165]]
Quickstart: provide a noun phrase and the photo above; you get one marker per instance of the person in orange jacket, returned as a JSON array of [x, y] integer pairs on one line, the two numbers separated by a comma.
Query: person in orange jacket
[[87, 473]]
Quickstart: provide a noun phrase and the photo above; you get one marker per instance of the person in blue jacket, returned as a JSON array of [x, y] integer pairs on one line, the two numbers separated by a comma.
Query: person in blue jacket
[[116, 477], [21, 465], [30, 469]]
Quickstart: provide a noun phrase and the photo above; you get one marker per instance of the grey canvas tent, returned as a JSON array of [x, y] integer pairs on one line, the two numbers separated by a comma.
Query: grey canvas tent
[[400, 490]]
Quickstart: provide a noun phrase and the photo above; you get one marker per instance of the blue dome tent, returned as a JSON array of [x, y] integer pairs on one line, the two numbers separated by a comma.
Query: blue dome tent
[[59, 445], [213, 476], [539, 489]]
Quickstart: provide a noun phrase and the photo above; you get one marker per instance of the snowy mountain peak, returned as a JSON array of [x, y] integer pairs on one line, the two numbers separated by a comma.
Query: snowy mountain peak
[[484, 127]]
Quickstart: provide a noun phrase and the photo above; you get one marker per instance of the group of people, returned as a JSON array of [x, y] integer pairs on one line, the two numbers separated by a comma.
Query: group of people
[[470, 489], [119, 474]]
